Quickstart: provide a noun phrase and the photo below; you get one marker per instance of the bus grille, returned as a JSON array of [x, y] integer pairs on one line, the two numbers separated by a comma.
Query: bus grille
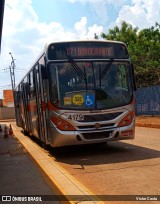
[[93, 126], [100, 117], [97, 135]]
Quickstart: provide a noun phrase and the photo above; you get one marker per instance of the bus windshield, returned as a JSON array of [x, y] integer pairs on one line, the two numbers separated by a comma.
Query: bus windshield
[[90, 85]]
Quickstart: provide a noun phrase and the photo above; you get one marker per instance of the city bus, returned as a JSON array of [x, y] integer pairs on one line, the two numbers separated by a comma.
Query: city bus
[[78, 92]]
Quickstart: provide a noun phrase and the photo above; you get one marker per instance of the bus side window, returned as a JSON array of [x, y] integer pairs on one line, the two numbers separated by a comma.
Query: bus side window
[[31, 84], [53, 86], [44, 72]]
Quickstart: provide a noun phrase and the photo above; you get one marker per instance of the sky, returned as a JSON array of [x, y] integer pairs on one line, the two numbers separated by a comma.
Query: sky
[[29, 24]]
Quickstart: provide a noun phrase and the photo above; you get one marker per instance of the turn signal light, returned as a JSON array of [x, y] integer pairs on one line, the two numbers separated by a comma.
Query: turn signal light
[[62, 124], [127, 120]]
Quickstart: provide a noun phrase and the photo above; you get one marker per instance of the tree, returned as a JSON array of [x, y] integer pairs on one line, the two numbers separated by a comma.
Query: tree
[[144, 49], [126, 33]]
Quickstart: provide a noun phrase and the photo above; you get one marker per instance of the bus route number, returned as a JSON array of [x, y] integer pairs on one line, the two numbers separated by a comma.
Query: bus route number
[[76, 117]]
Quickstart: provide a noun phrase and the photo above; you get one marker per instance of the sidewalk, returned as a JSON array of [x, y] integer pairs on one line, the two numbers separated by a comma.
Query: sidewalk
[[18, 173], [22, 162]]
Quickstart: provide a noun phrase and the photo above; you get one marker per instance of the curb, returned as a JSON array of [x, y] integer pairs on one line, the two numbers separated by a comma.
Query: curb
[[7, 120], [61, 181], [148, 125]]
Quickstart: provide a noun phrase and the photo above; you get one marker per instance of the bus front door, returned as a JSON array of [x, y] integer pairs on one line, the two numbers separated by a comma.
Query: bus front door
[[41, 116]]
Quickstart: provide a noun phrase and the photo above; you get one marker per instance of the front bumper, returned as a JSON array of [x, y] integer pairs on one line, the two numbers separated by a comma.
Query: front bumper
[[78, 137]]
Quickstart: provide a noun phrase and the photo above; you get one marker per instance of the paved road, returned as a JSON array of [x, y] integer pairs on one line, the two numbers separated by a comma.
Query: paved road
[[130, 167]]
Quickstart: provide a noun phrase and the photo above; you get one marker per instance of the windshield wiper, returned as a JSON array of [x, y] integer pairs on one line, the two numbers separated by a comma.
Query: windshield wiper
[[79, 71], [107, 67], [102, 74]]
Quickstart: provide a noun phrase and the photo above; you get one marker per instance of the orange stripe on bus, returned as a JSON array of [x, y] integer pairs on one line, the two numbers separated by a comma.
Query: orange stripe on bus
[[133, 101], [44, 105], [51, 106], [31, 107], [28, 108]]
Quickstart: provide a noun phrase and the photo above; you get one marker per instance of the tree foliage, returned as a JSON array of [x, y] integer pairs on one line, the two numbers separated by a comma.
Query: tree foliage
[[144, 49]]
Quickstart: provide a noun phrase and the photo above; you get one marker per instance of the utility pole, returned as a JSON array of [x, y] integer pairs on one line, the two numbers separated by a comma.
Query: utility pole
[[11, 68], [11, 78], [12, 74]]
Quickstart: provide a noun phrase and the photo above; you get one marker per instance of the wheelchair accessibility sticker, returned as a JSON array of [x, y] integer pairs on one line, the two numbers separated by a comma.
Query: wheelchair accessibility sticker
[[89, 100]]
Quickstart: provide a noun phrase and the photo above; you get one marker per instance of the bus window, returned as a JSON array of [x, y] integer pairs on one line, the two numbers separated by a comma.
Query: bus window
[[54, 85], [32, 86]]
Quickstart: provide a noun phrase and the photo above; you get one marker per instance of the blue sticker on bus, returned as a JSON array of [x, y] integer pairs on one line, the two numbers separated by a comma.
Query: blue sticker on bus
[[89, 100]]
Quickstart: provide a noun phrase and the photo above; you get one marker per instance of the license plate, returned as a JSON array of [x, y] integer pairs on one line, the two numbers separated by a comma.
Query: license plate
[[77, 117]]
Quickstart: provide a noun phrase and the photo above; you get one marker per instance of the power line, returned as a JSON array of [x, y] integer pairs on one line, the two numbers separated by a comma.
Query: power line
[[4, 70], [5, 85]]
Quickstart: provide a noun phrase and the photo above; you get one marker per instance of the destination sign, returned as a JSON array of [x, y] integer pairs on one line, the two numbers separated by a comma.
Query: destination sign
[[87, 50], [90, 51]]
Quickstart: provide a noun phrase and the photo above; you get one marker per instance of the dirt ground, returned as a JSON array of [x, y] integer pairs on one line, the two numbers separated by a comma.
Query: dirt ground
[[148, 121]]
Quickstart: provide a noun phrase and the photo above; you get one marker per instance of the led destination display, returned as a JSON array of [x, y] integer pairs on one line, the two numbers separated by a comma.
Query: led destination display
[[87, 50]]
